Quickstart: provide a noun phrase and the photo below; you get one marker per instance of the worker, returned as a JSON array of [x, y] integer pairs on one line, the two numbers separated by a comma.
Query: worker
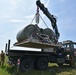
[[2, 56]]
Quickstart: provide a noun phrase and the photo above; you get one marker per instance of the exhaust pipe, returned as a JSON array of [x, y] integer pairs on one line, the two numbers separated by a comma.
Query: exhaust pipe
[[6, 47], [9, 45]]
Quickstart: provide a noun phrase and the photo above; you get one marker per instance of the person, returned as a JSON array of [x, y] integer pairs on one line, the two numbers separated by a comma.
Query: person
[[2, 55]]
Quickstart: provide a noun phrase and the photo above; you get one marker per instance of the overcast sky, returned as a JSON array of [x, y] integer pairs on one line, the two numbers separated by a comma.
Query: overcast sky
[[16, 14]]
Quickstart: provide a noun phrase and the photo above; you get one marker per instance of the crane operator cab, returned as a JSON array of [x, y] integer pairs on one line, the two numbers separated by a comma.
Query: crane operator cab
[[70, 52]]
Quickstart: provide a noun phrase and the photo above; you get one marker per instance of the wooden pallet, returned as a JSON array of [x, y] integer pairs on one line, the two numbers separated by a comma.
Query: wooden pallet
[[34, 43]]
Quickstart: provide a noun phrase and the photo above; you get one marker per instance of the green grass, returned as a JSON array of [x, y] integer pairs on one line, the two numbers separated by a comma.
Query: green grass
[[52, 70]]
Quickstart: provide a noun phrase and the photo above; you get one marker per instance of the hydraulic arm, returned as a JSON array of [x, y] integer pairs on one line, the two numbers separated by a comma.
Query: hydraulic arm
[[50, 16]]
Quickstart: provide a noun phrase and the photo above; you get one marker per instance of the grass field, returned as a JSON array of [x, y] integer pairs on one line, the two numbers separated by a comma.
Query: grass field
[[52, 70]]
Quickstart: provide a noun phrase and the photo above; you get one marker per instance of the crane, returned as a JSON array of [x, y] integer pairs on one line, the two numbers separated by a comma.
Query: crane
[[50, 16], [26, 60], [42, 40]]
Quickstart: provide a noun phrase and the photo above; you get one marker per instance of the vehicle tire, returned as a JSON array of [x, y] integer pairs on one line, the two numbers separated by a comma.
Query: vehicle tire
[[27, 65], [42, 63]]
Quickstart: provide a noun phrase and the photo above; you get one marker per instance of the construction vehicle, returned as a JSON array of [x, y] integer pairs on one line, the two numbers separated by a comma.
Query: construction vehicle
[[53, 53]]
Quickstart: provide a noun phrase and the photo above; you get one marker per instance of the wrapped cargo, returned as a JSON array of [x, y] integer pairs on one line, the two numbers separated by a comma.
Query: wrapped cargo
[[27, 31], [35, 37], [50, 33], [36, 32]]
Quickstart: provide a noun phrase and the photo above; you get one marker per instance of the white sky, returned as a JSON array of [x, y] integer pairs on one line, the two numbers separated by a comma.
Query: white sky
[[16, 14]]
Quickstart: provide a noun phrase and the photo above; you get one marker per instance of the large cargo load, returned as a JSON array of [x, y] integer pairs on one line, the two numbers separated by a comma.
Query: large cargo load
[[36, 37], [27, 31], [34, 29]]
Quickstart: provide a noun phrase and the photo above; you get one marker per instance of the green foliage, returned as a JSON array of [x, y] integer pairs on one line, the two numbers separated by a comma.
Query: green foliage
[[53, 69]]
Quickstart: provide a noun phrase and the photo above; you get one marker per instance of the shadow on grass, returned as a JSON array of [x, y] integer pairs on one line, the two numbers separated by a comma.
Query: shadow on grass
[[53, 70], [11, 70], [3, 67]]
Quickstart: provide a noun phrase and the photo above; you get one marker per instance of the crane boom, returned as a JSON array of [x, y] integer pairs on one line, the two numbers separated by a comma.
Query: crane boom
[[50, 16]]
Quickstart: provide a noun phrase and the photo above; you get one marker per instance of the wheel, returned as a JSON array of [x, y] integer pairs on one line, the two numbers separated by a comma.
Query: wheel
[[26, 65], [42, 63]]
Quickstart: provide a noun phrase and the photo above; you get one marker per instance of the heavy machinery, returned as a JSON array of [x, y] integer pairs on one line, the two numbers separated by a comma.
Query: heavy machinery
[[33, 36], [70, 51], [50, 51]]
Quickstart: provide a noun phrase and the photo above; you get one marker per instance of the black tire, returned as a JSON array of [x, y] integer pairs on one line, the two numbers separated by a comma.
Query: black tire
[[27, 65], [35, 65], [42, 63]]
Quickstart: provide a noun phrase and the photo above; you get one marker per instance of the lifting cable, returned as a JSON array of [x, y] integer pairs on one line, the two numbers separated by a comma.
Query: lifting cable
[[33, 19], [44, 22], [36, 17]]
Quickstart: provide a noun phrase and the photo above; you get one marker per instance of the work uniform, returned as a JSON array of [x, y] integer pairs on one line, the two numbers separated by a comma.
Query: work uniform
[[2, 58]]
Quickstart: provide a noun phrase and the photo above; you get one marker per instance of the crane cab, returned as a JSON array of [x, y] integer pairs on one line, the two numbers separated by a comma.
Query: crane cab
[[69, 45], [70, 52]]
